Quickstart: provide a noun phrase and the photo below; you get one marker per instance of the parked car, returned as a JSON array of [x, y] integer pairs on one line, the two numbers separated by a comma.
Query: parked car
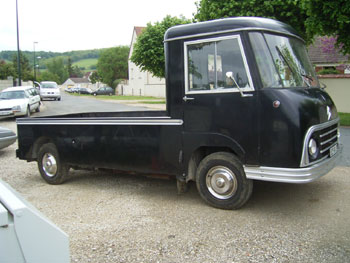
[[7, 137], [103, 91], [19, 101], [68, 89], [84, 91], [49, 90]]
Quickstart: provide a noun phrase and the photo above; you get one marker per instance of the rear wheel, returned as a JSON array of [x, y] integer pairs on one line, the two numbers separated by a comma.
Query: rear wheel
[[52, 170], [221, 181]]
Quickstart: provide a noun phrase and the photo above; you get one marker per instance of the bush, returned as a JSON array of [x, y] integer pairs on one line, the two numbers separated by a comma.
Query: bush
[[328, 71]]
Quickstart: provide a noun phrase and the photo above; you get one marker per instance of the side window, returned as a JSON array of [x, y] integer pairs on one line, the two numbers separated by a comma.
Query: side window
[[208, 63], [27, 94]]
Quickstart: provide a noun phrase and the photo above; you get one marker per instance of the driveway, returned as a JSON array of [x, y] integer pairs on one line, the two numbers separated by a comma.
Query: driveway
[[130, 218]]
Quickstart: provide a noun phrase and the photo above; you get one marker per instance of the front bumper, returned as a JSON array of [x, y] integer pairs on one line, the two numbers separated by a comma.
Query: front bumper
[[294, 175], [7, 141], [6, 114]]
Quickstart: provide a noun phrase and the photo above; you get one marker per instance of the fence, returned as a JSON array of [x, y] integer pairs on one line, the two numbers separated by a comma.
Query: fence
[[9, 83], [338, 87]]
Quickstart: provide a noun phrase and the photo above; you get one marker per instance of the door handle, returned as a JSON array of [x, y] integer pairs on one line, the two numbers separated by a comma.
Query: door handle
[[187, 98]]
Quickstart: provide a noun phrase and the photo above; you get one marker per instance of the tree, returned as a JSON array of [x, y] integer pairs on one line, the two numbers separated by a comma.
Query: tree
[[148, 52], [287, 11], [94, 77], [26, 70], [49, 76], [329, 18], [70, 67], [308, 17], [6, 70], [113, 64], [56, 67]]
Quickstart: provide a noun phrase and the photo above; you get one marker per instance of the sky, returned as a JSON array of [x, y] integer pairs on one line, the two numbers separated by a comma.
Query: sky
[[65, 25]]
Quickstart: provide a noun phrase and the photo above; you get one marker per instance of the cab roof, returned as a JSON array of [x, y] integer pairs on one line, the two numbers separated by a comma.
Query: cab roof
[[227, 25]]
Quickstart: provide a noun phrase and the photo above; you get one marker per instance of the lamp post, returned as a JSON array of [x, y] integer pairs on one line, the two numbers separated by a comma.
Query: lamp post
[[34, 67], [18, 52]]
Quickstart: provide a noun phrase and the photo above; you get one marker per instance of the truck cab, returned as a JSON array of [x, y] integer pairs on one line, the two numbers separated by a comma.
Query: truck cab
[[243, 104], [245, 86]]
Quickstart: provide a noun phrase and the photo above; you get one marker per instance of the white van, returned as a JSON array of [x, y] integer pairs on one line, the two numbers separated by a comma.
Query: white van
[[49, 90]]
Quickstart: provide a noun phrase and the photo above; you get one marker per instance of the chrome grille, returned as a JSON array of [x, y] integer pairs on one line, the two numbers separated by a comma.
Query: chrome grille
[[326, 136]]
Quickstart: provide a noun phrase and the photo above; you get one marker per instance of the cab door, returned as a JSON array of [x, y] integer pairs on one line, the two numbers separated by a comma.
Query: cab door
[[219, 99]]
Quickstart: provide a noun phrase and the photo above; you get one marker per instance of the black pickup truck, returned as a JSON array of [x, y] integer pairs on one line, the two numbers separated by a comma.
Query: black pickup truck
[[243, 104]]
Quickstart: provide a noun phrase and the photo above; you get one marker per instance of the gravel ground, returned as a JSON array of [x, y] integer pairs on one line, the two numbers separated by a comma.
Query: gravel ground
[[123, 218]]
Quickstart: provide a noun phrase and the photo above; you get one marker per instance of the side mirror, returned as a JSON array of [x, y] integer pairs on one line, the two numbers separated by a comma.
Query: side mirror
[[229, 76]]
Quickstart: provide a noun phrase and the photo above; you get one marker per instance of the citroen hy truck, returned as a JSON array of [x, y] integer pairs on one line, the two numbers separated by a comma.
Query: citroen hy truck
[[243, 104]]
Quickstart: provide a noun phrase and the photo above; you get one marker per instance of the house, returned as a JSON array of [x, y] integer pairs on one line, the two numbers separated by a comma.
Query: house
[[141, 83], [77, 83], [324, 55], [87, 75]]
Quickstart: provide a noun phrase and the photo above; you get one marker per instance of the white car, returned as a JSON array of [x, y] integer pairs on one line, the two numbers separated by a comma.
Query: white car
[[19, 101], [49, 90]]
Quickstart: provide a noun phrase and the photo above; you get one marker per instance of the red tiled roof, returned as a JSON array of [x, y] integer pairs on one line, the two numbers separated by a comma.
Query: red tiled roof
[[318, 55], [79, 80], [139, 29]]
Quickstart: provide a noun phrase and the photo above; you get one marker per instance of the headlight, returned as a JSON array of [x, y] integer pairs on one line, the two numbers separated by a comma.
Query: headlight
[[313, 149], [16, 108]]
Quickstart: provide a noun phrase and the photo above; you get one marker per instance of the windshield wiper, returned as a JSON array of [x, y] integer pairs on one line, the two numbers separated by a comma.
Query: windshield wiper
[[303, 76]]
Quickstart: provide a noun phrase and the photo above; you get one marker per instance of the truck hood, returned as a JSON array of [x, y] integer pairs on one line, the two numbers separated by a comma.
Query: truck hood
[[315, 106], [6, 104]]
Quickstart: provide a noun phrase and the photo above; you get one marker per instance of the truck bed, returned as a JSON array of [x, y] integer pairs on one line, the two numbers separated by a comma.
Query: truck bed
[[140, 141]]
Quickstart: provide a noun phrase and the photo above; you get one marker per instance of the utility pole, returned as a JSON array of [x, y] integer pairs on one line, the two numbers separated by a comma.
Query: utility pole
[[34, 67], [18, 52]]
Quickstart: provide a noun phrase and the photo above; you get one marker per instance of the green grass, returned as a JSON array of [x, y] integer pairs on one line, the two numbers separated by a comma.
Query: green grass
[[86, 63], [149, 100], [152, 102], [105, 97], [344, 119]]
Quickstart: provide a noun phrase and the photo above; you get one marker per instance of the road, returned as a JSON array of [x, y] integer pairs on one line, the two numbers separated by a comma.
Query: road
[[74, 104], [124, 218]]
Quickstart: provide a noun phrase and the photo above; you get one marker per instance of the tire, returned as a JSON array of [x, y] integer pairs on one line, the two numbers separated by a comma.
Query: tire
[[221, 181], [38, 109], [51, 169]]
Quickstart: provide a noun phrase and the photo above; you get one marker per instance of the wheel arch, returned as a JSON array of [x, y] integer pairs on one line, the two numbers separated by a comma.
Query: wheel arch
[[38, 144], [200, 145], [199, 154]]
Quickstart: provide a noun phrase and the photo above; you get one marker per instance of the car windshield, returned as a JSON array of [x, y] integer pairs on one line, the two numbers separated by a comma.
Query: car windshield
[[10, 95], [49, 85], [282, 61]]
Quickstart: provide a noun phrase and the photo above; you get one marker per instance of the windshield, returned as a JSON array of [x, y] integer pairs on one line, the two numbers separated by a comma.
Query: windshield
[[282, 61], [49, 85], [10, 95]]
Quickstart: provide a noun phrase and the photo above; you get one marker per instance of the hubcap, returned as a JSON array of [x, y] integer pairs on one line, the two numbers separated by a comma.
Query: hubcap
[[221, 182], [49, 165]]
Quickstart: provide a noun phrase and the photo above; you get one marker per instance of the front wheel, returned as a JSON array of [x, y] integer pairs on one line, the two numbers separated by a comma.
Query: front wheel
[[221, 181], [51, 169]]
